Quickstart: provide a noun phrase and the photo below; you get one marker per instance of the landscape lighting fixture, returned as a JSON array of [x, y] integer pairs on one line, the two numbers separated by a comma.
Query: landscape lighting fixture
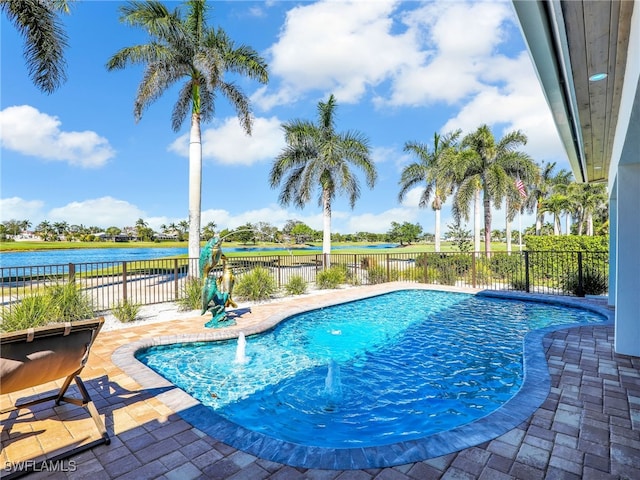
[[596, 77]]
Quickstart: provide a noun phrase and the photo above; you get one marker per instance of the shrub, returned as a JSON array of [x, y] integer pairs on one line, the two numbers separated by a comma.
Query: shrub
[[61, 302], [255, 286], [126, 311], [296, 285], [191, 298], [376, 275], [483, 273], [447, 276], [69, 302], [331, 278], [519, 284], [368, 262], [504, 265], [32, 311], [594, 282]]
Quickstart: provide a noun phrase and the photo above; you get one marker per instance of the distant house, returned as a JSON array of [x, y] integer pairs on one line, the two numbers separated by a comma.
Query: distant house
[[26, 236]]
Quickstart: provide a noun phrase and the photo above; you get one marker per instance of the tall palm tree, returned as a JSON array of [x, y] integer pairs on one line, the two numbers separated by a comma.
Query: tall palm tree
[[44, 37], [316, 154], [488, 167], [185, 48], [427, 171]]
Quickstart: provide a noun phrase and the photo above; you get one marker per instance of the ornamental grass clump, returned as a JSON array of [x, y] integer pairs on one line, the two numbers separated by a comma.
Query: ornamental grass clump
[[126, 311], [296, 285], [331, 278], [60, 302], [256, 285], [191, 298], [30, 312]]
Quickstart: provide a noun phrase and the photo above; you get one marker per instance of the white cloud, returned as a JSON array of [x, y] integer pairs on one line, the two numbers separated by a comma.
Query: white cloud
[[16, 208], [519, 105], [28, 131], [340, 47], [380, 222], [227, 143], [101, 212]]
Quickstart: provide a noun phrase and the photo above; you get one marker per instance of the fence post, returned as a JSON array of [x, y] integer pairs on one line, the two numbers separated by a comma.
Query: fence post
[[72, 272], [388, 268], [278, 266], [526, 271], [175, 279], [425, 267], [473, 270], [124, 281], [580, 291]]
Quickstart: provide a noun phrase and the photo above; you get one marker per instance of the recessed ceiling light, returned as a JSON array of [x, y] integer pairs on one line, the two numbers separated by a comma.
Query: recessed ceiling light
[[597, 168], [597, 76]]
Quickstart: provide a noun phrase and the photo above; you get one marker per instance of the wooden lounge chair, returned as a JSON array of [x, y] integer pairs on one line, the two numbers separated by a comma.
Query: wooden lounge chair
[[32, 357]]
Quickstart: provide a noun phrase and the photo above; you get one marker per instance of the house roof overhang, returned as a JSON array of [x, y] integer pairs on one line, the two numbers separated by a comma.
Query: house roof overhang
[[570, 42]]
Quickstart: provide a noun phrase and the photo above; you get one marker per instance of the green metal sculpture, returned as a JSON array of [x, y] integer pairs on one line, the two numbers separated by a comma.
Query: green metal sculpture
[[216, 291]]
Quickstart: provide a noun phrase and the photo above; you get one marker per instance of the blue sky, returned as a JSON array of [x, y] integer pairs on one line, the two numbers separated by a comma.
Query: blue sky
[[400, 72]]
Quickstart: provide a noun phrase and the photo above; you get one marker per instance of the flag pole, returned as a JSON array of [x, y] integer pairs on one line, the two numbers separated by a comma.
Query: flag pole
[[520, 228]]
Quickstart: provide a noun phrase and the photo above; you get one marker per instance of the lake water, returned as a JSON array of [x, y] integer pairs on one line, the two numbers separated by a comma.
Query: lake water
[[85, 255], [92, 255]]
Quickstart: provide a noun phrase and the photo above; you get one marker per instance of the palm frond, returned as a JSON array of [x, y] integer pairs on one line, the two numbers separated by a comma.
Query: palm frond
[[45, 41]]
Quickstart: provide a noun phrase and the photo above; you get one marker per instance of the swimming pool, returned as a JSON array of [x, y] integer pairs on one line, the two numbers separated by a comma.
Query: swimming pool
[[320, 387]]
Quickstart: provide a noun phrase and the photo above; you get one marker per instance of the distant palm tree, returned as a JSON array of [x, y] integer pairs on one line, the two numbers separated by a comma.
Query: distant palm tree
[[428, 172], [185, 48], [591, 198], [562, 186], [486, 166], [317, 155], [541, 190], [555, 204], [45, 39]]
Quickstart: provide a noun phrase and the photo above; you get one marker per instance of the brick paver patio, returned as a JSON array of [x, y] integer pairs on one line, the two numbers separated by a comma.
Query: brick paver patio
[[588, 427]]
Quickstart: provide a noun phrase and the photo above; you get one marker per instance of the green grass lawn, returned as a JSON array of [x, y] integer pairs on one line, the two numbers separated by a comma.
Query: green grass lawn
[[354, 247]]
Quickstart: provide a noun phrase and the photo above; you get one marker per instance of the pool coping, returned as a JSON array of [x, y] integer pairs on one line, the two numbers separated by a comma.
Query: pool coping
[[533, 392]]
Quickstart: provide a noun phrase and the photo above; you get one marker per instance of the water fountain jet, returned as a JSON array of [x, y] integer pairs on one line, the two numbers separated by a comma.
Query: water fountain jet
[[241, 348]]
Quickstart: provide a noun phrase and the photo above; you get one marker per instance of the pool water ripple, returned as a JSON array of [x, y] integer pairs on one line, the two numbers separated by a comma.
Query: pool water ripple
[[391, 368]]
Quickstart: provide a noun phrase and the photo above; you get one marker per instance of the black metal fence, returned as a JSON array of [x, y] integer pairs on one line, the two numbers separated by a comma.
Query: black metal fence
[[147, 282]]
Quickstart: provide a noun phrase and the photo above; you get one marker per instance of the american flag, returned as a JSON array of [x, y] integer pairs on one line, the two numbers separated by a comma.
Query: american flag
[[521, 189]]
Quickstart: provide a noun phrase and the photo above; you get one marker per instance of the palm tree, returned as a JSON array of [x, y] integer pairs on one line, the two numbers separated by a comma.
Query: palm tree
[[317, 154], [45, 39], [186, 48], [561, 186], [555, 204], [486, 166], [540, 190], [427, 171], [591, 198]]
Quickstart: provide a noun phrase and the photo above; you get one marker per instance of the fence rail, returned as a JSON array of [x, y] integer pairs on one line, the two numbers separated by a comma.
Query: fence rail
[[146, 282]]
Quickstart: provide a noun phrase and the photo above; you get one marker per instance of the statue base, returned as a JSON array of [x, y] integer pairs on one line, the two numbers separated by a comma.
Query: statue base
[[220, 322]]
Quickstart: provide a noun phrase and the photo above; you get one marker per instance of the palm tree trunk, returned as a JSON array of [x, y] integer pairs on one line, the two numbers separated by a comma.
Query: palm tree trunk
[[487, 221], [476, 222], [556, 225], [437, 239], [326, 229], [195, 192], [507, 225], [539, 218]]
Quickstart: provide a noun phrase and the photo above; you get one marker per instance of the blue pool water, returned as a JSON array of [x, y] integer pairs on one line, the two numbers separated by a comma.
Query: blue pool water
[[378, 371]]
